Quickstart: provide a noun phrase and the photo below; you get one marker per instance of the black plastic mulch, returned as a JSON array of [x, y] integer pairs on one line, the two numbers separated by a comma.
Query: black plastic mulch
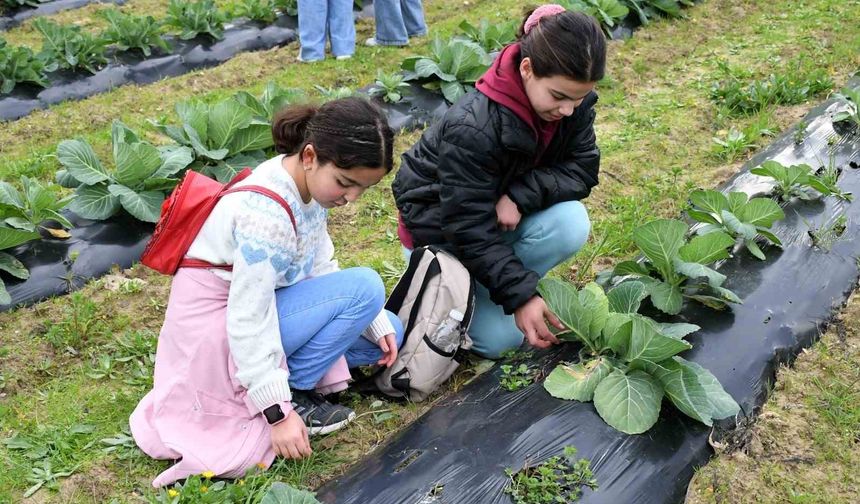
[[14, 17], [464, 444]]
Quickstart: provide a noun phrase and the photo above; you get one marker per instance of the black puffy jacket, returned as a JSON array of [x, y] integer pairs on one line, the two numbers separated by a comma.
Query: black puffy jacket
[[450, 180]]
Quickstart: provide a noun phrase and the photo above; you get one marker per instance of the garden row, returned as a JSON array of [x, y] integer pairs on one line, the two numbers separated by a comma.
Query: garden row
[[630, 326], [72, 52], [15, 12]]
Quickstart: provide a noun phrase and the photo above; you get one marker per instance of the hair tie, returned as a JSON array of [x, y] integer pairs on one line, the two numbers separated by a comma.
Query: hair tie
[[541, 12]]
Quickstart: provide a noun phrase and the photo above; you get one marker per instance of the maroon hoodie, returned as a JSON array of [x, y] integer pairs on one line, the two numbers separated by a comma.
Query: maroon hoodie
[[504, 85]]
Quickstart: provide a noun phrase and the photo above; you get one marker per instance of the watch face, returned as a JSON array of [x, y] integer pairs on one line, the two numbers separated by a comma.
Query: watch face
[[273, 413]]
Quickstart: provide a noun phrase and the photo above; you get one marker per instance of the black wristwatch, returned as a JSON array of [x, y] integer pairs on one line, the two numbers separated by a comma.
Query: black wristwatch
[[274, 414]]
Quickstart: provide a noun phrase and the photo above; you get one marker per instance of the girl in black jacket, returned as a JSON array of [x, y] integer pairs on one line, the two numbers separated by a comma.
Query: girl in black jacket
[[498, 181]]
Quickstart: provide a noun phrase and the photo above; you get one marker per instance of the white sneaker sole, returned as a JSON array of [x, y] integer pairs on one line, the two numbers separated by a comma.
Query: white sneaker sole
[[328, 429]]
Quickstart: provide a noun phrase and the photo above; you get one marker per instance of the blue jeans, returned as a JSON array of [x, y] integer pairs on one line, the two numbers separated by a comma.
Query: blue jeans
[[542, 241], [397, 20], [322, 318], [318, 17]]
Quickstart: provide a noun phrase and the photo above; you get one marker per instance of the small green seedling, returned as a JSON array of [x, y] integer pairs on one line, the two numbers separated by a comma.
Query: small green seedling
[[733, 145], [516, 377], [390, 87], [559, 479], [747, 220], [800, 132], [825, 236], [850, 99]]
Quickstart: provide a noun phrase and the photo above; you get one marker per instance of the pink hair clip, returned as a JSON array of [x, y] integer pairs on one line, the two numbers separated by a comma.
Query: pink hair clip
[[541, 12]]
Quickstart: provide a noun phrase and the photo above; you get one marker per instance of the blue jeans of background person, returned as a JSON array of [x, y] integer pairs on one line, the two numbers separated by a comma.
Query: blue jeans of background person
[[322, 318], [397, 20], [542, 241], [320, 17]]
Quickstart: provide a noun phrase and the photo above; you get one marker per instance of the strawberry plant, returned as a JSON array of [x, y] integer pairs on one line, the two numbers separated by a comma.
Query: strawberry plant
[[737, 215], [224, 137], [492, 37], [18, 65], [389, 87], [196, 18], [850, 100], [796, 181], [262, 11], [142, 174], [629, 362], [69, 47], [127, 32], [452, 67], [675, 269]]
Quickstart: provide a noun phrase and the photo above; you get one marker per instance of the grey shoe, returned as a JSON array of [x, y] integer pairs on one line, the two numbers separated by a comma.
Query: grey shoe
[[319, 415]]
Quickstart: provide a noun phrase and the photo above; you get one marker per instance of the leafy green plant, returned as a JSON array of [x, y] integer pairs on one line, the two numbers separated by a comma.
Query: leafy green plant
[[737, 215], [649, 9], [225, 137], [608, 12], [28, 210], [122, 445], [289, 7], [128, 32], [196, 18], [516, 377], [827, 234], [452, 67], [273, 99], [11, 237], [262, 11], [69, 47], [733, 145], [795, 181], [492, 37], [389, 87], [675, 269], [19, 65], [850, 99], [558, 479], [141, 176], [81, 322], [629, 362], [800, 132], [200, 489], [334, 93], [739, 96]]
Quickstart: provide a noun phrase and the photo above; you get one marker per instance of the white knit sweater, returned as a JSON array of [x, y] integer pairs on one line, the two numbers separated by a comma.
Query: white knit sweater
[[254, 234]]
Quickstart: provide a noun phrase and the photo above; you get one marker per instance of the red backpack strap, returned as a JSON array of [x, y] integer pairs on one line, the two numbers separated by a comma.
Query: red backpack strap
[[271, 194]]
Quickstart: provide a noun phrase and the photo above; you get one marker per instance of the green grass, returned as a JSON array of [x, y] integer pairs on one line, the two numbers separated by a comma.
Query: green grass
[[655, 126]]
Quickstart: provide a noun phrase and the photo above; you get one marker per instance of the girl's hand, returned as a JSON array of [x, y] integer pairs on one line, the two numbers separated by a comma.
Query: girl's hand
[[290, 438], [388, 344], [531, 320], [507, 214]]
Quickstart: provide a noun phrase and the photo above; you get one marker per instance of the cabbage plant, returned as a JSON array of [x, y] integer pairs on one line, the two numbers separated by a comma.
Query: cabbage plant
[[196, 18], [492, 37], [127, 32], [452, 67], [71, 48], [141, 175], [795, 181], [19, 65], [608, 12], [224, 137], [675, 269], [629, 362], [745, 219], [850, 99]]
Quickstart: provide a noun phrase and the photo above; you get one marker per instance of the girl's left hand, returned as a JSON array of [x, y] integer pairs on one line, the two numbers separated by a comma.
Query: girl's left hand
[[388, 344]]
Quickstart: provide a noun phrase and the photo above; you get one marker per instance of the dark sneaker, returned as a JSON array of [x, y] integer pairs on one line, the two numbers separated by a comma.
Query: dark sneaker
[[320, 416]]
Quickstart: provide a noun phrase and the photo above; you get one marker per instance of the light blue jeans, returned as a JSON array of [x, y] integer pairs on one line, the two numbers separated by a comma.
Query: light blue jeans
[[322, 318], [397, 20], [320, 17], [542, 241]]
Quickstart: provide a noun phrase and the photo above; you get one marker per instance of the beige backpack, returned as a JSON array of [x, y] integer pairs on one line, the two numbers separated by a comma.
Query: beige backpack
[[435, 300]]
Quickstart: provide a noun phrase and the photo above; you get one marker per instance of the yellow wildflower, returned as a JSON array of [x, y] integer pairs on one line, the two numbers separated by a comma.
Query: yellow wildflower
[[241, 482], [208, 474], [204, 488], [172, 493], [261, 465]]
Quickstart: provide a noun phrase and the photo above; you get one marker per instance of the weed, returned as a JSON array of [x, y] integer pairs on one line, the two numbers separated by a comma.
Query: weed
[[800, 132], [45, 475], [122, 445], [254, 487], [557, 480], [517, 373], [732, 145], [826, 235], [81, 323]]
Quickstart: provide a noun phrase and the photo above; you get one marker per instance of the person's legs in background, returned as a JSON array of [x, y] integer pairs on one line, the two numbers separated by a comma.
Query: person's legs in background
[[413, 17], [341, 25], [313, 24]]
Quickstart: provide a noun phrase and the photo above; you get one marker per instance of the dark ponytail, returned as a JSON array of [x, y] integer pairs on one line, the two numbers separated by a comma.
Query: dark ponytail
[[348, 132], [570, 44]]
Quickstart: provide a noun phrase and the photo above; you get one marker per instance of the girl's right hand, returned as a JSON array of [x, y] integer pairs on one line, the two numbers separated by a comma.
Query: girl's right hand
[[531, 320], [290, 438]]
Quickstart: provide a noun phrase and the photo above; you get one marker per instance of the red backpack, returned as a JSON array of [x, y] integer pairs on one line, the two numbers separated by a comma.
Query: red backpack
[[183, 214]]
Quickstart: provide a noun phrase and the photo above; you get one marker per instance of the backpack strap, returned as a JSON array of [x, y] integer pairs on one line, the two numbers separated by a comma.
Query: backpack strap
[[199, 263]]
